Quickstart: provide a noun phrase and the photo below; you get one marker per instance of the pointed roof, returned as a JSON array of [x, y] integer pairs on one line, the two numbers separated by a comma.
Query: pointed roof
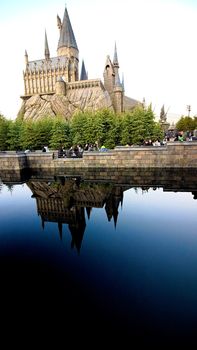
[[88, 211], [108, 62], [46, 47], [83, 75], [67, 38], [115, 60]]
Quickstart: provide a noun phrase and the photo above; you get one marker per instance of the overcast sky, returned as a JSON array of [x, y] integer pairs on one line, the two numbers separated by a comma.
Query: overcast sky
[[156, 43]]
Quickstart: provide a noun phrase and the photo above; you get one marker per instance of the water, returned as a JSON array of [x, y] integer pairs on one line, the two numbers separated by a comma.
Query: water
[[100, 257]]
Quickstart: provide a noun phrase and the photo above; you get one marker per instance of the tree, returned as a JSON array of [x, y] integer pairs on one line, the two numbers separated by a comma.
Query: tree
[[43, 132], [4, 128], [186, 124], [105, 128], [78, 126], [14, 133], [60, 134], [139, 125], [28, 135]]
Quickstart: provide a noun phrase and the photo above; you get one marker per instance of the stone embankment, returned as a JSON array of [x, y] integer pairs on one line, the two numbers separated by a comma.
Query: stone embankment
[[173, 155]]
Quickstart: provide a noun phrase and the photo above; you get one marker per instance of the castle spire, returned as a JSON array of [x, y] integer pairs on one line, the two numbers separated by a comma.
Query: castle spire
[[26, 57], [115, 60], [116, 67], [67, 38], [83, 75], [46, 47]]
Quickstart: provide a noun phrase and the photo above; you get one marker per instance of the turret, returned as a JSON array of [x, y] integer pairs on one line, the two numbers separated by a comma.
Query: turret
[[83, 75], [46, 48], [67, 45], [109, 76], [116, 68], [118, 89], [60, 87], [26, 58]]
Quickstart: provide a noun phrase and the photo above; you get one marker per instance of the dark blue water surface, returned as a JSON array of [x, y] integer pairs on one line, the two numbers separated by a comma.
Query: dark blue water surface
[[99, 259]]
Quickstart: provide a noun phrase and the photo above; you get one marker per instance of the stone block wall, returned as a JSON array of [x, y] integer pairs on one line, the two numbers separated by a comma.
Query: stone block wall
[[12, 161], [173, 155]]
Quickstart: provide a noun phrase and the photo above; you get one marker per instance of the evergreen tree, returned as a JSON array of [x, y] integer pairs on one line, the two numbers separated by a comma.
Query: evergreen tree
[[78, 126], [28, 135], [4, 128], [43, 132], [60, 134], [186, 124], [14, 133], [105, 128], [139, 125]]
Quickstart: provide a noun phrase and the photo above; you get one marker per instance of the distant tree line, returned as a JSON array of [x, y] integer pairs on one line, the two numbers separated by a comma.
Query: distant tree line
[[103, 126], [186, 124]]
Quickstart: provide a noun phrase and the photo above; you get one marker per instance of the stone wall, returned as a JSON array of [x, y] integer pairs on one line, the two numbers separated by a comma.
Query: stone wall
[[12, 161], [173, 155]]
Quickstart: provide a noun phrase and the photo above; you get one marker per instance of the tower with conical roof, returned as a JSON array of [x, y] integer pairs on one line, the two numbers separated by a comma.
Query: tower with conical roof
[[118, 89], [67, 45], [109, 76], [112, 82]]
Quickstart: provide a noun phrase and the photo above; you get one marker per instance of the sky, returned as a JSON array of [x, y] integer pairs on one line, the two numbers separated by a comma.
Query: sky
[[156, 43]]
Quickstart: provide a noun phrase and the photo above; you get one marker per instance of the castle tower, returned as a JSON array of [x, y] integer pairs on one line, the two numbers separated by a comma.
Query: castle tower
[[118, 90], [112, 82], [67, 46], [109, 76]]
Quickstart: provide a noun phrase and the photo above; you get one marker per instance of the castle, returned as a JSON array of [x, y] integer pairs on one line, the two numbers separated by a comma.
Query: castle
[[52, 86]]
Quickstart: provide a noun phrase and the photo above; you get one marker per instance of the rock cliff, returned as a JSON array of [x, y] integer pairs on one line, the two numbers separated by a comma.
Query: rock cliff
[[39, 106]]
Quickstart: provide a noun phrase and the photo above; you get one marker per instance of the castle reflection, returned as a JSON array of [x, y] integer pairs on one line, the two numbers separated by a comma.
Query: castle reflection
[[69, 199], [65, 201]]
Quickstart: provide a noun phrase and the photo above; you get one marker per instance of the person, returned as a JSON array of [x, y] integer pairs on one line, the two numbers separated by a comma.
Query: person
[[44, 149], [60, 152], [180, 138], [103, 148]]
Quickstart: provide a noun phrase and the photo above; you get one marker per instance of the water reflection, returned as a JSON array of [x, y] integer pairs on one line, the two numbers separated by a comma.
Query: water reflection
[[136, 272], [68, 199], [65, 201]]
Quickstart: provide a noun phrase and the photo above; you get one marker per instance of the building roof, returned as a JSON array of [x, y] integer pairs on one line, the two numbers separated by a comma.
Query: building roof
[[51, 63], [130, 103], [67, 38]]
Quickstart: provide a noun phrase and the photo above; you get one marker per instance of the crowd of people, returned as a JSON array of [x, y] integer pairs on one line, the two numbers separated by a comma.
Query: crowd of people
[[76, 151]]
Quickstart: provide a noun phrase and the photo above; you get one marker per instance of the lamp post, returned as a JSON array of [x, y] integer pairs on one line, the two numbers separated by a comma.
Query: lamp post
[[189, 110]]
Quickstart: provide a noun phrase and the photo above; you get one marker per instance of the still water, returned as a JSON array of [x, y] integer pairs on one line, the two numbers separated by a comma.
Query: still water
[[104, 257]]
